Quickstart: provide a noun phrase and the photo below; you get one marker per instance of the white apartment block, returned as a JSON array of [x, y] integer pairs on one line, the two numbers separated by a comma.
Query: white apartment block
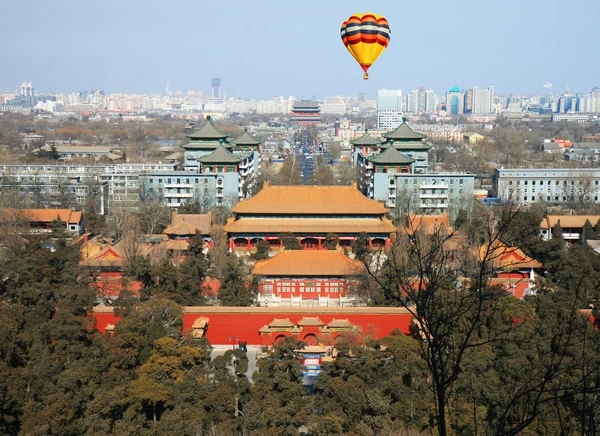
[[555, 185]]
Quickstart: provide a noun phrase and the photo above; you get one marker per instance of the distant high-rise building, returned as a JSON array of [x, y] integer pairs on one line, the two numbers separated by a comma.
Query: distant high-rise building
[[27, 94], [469, 101], [421, 100], [589, 103], [216, 88], [389, 100], [389, 109], [455, 101], [483, 100]]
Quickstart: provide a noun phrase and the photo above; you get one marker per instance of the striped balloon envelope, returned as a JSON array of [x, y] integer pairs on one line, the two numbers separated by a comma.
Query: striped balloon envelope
[[365, 36]]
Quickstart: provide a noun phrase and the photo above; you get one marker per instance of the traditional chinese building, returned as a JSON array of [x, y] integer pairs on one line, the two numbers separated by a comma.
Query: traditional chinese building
[[41, 220], [512, 269], [310, 213], [376, 170], [246, 143], [306, 113], [366, 145], [307, 278], [184, 227]]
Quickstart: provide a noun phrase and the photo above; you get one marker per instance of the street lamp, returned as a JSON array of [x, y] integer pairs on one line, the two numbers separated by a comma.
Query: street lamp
[[233, 339]]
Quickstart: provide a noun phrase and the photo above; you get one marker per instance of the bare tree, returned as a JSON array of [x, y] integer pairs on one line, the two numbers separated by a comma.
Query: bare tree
[[445, 286]]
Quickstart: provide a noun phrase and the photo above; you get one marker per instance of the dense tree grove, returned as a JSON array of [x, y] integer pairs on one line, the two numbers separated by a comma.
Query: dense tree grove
[[478, 361]]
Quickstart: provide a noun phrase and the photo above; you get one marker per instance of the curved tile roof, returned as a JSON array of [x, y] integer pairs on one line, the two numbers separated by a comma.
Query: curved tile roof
[[310, 200], [309, 263]]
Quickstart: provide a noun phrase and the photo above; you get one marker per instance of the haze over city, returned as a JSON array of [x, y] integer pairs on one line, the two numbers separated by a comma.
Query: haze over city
[[266, 48]]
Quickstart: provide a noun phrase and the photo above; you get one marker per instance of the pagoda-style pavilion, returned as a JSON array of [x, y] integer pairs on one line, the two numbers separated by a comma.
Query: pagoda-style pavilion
[[203, 142], [390, 161], [246, 143], [366, 145], [310, 213], [411, 144]]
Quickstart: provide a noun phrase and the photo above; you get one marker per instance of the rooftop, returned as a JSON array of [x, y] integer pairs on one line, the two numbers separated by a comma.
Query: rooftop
[[569, 221], [366, 139], [310, 200], [220, 155], [455, 89], [44, 215], [309, 263], [246, 139], [208, 132], [404, 133], [390, 156], [303, 226]]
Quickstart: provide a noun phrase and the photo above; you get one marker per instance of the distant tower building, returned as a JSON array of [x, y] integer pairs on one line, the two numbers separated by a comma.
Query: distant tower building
[[421, 100], [455, 101], [216, 88], [306, 112], [483, 100], [389, 109], [27, 94], [469, 101]]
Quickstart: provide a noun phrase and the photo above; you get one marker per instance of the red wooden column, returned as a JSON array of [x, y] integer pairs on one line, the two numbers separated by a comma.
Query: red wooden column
[[320, 243], [249, 247], [231, 247]]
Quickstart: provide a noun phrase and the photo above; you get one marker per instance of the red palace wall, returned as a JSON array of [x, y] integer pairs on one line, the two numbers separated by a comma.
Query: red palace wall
[[244, 323]]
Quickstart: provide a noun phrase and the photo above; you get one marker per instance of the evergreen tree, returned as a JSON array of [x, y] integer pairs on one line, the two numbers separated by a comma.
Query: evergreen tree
[[290, 241], [262, 250], [331, 241], [234, 290]]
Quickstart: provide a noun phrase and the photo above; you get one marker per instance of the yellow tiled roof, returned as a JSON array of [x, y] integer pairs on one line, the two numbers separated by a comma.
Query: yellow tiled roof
[[310, 200], [310, 225], [308, 263]]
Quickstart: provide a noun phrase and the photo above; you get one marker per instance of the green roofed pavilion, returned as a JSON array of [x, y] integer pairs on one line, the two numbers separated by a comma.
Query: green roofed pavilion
[[220, 155], [208, 132], [390, 156], [366, 140], [404, 133], [245, 141]]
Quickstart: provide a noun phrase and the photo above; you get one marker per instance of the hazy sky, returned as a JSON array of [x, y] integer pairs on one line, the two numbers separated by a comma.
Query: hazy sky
[[263, 48]]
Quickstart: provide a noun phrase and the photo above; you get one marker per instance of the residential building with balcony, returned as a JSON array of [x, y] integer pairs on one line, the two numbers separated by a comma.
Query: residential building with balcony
[[430, 194]]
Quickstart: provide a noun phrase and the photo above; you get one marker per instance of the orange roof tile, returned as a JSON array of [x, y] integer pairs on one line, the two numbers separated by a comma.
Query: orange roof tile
[[308, 263], [310, 225], [201, 221], [310, 200], [505, 257], [46, 215], [428, 224], [176, 244], [182, 229], [569, 221]]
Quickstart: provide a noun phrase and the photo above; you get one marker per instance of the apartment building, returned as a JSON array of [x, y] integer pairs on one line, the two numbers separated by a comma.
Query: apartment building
[[554, 185]]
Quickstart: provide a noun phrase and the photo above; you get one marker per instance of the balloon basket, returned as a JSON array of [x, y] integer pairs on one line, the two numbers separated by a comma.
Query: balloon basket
[[366, 76]]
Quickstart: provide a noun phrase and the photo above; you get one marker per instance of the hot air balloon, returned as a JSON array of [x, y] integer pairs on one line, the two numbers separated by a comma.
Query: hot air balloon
[[365, 36]]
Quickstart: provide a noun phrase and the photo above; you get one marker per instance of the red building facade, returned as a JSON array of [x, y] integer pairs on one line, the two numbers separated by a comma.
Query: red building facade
[[307, 278]]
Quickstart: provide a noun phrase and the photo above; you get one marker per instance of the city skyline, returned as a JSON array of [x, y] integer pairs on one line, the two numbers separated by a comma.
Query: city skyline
[[134, 49]]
